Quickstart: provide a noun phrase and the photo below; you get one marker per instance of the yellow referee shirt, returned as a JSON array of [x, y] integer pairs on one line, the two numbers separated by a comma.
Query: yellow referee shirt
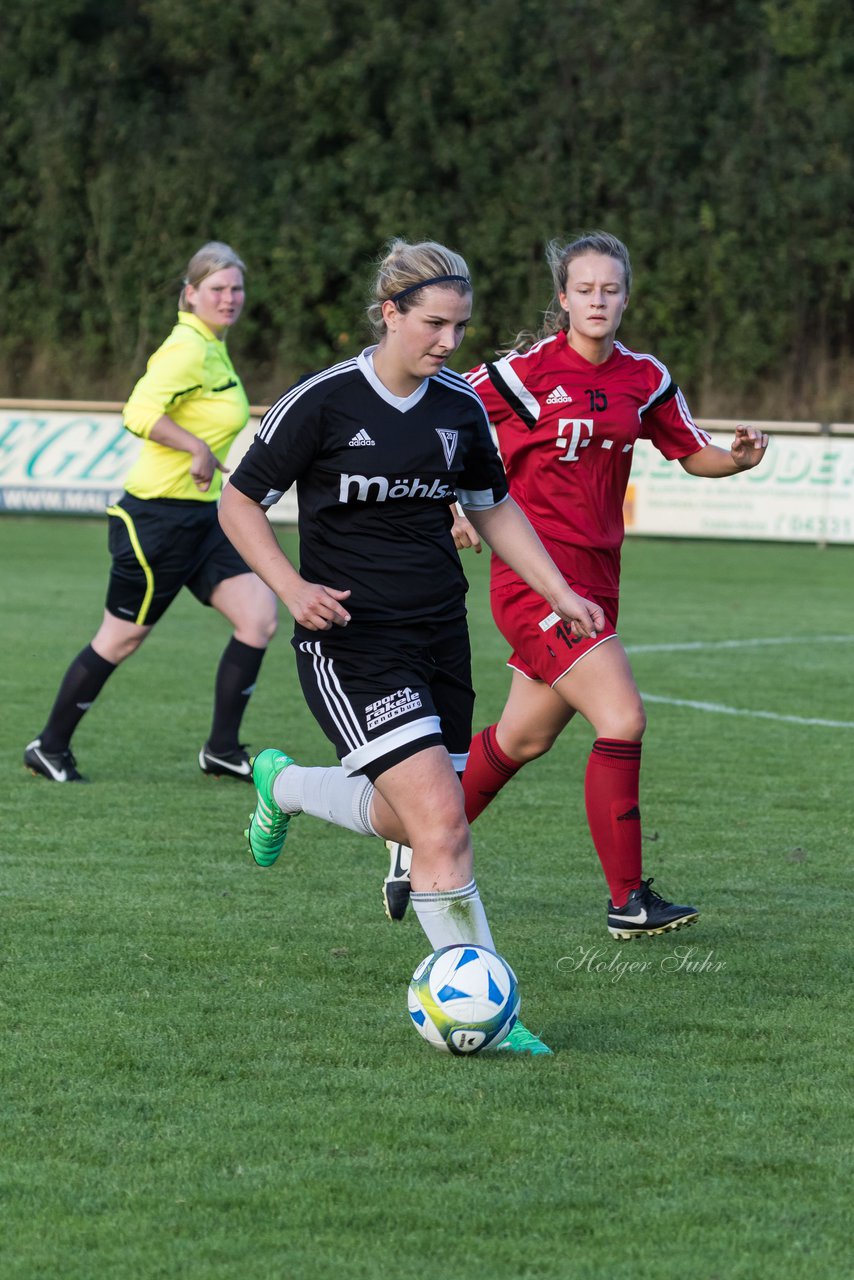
[[192, 380]]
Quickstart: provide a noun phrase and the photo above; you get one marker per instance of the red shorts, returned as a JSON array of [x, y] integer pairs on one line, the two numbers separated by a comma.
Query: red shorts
[[543, 646]]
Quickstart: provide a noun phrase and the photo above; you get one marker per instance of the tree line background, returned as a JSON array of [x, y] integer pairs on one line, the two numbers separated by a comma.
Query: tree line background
[[714, 136]]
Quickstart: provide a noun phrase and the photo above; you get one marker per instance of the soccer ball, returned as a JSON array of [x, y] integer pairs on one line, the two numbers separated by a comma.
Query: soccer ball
[[463, 998]]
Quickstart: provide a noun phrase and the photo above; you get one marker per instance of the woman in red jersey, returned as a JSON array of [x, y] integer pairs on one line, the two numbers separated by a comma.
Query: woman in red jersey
[[567, 411]]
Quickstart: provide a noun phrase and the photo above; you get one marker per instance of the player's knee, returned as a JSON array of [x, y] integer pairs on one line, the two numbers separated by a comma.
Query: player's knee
[[269, 625], [628, 725], [117, 648], [528, 745], [637, 724], [258, 628], [451, 834], [441, 851], [536, 747], [122, 652]]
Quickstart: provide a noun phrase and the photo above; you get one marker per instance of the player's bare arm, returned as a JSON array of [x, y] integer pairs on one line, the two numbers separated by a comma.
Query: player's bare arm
[[510, 534], [746, 451], [204, 461], [316, 607]]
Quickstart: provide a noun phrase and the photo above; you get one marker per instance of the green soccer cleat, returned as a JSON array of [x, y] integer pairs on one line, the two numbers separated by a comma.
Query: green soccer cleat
[[268, 825], [521, 1040]]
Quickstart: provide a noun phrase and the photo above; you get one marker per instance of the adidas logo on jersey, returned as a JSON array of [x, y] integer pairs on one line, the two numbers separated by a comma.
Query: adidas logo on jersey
[[558, 396], [361, 438]]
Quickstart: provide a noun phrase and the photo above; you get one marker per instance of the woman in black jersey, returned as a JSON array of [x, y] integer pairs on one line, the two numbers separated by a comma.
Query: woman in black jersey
[[378, 447]]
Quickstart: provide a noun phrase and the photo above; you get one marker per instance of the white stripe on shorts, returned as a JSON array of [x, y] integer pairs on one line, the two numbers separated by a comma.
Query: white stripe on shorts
[[338, 704], [390, 741]]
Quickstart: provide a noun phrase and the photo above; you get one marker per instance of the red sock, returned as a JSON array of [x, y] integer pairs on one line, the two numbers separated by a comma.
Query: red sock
[[488, 769], [613, 813]]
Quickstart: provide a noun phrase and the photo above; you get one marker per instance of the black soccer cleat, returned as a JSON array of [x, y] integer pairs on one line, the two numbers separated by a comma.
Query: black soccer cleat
[[396, 886], [646, 914], [57, 766], [225, 764]]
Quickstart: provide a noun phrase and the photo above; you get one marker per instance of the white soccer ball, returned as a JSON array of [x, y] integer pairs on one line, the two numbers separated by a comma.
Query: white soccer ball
[[463, 998]]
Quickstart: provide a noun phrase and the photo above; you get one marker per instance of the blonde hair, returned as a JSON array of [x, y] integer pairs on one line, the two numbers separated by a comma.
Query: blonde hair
[[406, 269], [213, 256], [560, 255]]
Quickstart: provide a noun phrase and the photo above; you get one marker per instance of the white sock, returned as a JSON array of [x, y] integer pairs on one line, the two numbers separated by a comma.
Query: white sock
[[330, 794], [451, 916]]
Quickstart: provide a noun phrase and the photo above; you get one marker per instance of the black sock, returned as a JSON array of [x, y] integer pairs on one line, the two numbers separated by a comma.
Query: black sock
[[235, 682], [81, 684]]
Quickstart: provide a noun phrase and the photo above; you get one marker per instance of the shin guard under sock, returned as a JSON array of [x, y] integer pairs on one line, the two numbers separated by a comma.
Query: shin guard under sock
[[452, 915], [487, 770], [81, 684], [235, 683], [613, 812]]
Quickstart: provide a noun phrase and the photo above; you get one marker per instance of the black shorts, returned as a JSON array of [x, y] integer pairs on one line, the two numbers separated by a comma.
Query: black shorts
[[160, 545], [380, 694]]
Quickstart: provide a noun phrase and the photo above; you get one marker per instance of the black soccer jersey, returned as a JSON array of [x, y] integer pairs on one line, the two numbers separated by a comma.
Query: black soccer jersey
[[375, 474]]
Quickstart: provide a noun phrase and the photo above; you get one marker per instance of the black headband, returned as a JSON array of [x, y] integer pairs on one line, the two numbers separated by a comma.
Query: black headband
[[422, 284]]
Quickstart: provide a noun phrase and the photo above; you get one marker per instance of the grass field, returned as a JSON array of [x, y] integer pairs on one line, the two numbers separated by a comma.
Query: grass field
[[208, 1071]]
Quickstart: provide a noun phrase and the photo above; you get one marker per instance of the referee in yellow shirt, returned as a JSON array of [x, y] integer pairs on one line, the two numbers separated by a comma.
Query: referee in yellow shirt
[[164, 533]]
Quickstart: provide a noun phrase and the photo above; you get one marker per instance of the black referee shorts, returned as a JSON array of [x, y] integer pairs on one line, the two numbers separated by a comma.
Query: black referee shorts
[[382, 694], [160, 545]]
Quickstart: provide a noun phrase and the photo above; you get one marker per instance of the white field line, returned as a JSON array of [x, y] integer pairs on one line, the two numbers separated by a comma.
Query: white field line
[[687, 646], [717, 708]]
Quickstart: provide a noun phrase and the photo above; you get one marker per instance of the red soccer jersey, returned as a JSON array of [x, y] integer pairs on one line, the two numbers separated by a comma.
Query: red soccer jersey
[[566, 430]]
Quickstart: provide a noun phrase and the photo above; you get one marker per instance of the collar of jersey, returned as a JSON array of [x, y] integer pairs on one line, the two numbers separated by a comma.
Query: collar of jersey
[[365, 361], [577, 360], [193, 322]]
